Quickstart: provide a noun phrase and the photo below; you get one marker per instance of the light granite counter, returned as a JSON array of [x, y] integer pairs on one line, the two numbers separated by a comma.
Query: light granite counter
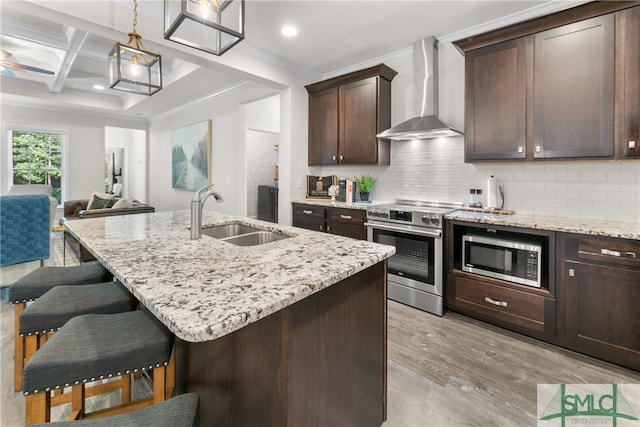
[[204, 289], [328, 203], [595, 227]]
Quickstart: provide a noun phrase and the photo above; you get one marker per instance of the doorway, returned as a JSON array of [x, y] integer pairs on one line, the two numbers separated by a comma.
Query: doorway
[[262, 151]]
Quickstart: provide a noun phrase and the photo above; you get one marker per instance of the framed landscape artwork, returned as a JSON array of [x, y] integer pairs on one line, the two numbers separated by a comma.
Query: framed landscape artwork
[[191, 156]]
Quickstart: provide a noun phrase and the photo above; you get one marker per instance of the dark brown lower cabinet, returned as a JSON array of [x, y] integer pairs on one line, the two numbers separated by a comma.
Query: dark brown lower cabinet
[[310, 217], [341, 221], [600, 279], [347, 222], [520, 308]]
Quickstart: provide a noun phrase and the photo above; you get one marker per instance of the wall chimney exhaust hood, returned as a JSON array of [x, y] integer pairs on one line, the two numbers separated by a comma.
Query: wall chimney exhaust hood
[[425, 73]]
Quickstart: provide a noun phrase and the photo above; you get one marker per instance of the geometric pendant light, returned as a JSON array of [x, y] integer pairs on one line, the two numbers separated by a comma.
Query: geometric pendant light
[[213, 26], [131, 67]]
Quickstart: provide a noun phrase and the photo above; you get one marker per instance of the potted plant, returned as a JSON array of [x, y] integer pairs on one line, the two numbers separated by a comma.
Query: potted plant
[[365, 184]]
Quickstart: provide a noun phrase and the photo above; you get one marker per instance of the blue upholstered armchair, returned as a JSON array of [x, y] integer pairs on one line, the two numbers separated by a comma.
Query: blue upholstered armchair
[[25, 228]]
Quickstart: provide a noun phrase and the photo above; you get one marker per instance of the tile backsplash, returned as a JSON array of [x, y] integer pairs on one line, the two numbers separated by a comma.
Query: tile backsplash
[[435, 170]]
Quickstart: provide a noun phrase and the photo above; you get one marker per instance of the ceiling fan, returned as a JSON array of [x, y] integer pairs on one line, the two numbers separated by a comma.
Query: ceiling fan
[[6, 67]]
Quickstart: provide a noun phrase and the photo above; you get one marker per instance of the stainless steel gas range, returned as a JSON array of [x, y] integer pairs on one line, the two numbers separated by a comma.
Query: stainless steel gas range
[[415, 229]]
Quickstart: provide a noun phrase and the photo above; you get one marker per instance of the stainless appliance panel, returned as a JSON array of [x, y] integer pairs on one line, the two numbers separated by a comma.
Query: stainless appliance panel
[[415, 298]]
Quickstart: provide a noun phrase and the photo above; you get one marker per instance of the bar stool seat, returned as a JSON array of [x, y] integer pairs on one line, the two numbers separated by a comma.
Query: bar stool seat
[[181, 411], [92, 347], [35, 284], [62, 303]]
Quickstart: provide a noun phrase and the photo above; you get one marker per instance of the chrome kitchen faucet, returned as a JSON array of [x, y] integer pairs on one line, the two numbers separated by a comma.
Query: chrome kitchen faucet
[[197, 204]]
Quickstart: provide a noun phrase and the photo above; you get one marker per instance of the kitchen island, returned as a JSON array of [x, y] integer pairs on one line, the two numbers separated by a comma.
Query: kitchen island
[[291, 332]]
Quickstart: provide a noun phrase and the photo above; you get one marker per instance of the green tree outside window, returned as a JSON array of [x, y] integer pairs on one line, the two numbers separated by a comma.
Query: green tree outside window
[[37, 159]]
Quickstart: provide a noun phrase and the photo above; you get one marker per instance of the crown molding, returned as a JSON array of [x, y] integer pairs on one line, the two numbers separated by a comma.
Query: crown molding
[[250, 49], [525, 15], [222, 92], [534, 12], [82, 110]]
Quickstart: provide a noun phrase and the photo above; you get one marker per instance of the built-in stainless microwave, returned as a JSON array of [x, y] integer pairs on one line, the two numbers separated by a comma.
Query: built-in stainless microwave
[[513, 260]]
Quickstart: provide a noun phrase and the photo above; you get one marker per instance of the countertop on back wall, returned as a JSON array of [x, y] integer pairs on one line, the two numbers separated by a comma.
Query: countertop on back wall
[[595, 227], [328, 203]]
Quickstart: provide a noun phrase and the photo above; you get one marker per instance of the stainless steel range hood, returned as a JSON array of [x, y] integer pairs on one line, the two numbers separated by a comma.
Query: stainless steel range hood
[[425, 73]]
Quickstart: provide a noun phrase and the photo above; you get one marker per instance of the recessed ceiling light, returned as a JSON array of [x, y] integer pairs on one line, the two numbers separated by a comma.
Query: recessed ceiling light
[[289, 30], [98, 87]]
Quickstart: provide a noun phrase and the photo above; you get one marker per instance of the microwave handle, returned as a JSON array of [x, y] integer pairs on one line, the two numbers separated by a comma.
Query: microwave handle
[[507, 260]]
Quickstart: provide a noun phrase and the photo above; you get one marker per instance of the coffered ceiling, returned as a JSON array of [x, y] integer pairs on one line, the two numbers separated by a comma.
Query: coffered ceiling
[[64, 45]]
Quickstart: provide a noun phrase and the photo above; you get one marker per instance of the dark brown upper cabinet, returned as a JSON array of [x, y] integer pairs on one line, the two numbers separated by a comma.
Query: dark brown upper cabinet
[[573, 90], [495, 107], [628, 67], [346, 113], [562, 86]]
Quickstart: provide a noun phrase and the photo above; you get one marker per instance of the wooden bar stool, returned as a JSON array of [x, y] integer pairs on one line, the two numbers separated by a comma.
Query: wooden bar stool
[[94, 347], [61, 304], [181, 411], [33, 285]]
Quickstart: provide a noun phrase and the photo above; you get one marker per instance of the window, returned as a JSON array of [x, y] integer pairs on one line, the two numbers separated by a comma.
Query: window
[[37, 159]]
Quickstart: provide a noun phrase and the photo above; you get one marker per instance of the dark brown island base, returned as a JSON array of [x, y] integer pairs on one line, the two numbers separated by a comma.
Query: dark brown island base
[[318, 362]]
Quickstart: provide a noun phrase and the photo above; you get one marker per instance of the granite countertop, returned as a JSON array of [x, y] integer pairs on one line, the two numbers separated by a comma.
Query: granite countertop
[[595, 227], [204, 289], [329, 203]]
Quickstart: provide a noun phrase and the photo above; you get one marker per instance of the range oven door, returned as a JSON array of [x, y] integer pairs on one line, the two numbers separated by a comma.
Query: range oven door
[[417, 262]]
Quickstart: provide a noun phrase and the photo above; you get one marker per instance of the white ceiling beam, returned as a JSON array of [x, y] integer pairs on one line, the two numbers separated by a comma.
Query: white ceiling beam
[[76, 40]]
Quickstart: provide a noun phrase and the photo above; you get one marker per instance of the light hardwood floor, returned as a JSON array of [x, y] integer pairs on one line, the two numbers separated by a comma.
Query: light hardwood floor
[[442, 371]]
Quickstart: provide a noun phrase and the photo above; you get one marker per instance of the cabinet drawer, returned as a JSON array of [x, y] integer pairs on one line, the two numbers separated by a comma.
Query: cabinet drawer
[[346, 216], [508, 305], [605, 250], [308, 211]]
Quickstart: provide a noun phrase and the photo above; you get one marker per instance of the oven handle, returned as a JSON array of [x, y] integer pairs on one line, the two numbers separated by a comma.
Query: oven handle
[[436, 234]]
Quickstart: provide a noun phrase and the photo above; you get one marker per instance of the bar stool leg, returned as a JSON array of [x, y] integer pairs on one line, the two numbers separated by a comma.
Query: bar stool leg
[[32, 344], [171, 375], [38, 408], [19, 347], [125, 386], [159, 385], [77, 402]]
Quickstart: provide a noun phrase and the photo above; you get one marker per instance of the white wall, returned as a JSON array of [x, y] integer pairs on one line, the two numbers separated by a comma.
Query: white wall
[[84, 166], [227, 160], [135, 168]]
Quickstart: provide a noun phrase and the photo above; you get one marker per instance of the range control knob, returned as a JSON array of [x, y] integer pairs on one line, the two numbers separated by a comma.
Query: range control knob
[[435, 220]]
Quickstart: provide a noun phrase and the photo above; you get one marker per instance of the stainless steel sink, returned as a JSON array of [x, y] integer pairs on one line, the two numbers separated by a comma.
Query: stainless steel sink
[[242, 235], [228, 230], [257, 238]]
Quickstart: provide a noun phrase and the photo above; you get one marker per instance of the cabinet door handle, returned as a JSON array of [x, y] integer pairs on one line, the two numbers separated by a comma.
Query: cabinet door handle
[[306, 212], [495, 302], [345, 216], [572, 272], [328, 228], [334, 157], [618, 253], [341, 157], [610, 252], [321, 227]]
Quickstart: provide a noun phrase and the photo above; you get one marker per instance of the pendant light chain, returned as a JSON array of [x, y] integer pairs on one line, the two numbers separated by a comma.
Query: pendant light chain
[[135, 16]]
